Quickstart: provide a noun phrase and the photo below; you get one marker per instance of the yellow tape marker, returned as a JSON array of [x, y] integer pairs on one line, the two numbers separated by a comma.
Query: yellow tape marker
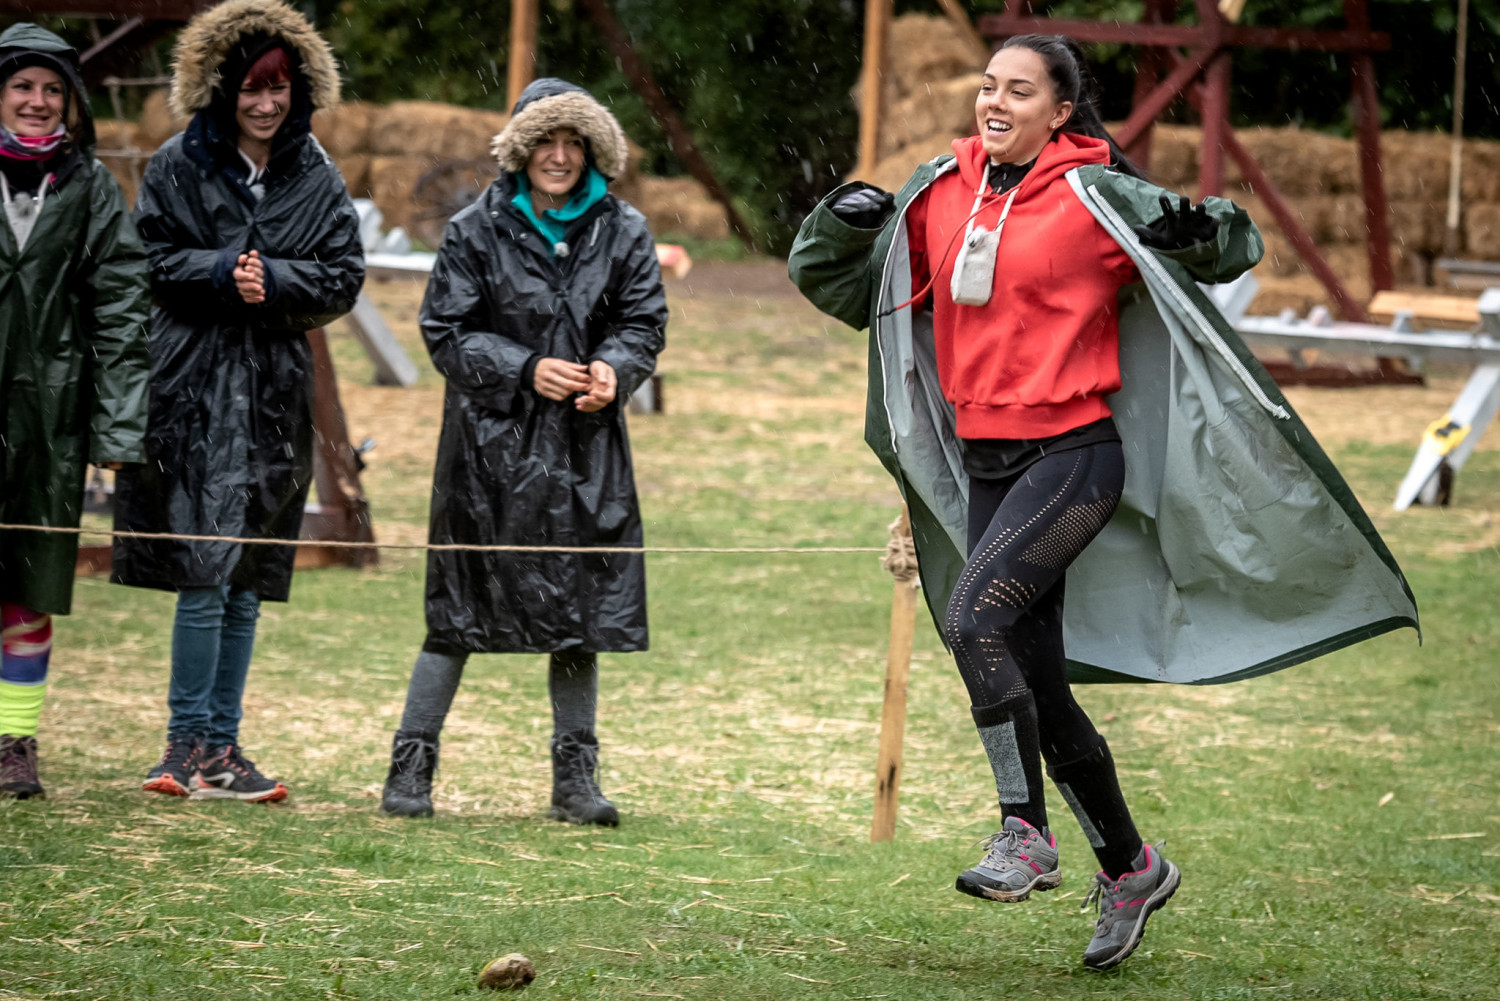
[[1444, 434]]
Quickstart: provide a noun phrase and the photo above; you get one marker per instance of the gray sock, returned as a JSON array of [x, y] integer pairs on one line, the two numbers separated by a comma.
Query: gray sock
[[434, 680], [573, 684]]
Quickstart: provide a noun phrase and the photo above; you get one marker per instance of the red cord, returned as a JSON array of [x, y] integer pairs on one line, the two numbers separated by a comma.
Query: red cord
[[932, 279]]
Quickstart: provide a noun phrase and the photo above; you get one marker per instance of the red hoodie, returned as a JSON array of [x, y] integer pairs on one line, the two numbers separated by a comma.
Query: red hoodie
[[1041, 355]]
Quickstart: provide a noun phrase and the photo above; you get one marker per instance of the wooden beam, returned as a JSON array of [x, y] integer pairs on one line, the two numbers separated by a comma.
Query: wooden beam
[[871, 84], [520, 68], [639, 75], [994, 26], [1215, 114], [1153, 104]]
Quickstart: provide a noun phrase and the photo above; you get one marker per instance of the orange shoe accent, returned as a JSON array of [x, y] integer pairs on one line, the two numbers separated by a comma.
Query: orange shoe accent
[[164, 784], [274, 796]]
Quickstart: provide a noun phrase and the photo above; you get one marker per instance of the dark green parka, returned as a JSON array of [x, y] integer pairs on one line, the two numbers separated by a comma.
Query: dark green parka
[[73, 367]]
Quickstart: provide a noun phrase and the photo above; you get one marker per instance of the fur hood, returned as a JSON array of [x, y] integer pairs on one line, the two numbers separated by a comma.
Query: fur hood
[[206, 41], [549, 104]]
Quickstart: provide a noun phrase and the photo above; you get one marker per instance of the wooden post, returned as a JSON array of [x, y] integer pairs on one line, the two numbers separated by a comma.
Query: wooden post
[[1372, 177], [901, 561], [872, 84], [1456, 152], [1215, 114], [520, 69]]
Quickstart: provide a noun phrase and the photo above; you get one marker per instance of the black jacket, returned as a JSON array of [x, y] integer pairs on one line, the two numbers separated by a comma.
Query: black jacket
[[229, 436], [515, 468]]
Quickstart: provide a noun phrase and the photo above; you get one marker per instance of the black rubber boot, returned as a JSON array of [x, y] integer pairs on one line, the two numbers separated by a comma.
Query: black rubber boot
[[576, 797], [408, 785]]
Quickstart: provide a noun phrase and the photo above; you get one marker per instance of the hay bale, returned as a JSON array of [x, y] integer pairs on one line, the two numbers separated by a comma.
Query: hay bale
[[344, 129], [443, 131], [1299, 163], [157, 123], [1482, 231], [1481, 181], [391, 180], [1415, 173], [680, 206], [942, 110], [1174, 156], [893, 171], [113, 133], [1419, 226], [355, 169], [923, 49]]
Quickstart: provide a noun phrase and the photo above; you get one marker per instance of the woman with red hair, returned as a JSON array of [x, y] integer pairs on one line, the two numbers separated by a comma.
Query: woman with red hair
[[253, 241]]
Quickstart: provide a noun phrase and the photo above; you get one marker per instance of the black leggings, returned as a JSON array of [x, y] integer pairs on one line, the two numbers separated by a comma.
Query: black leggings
[[1005, 625]]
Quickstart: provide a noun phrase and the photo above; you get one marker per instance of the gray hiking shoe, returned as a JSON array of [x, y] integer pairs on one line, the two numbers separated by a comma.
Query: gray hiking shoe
[[1125, 904], [1018, 859]]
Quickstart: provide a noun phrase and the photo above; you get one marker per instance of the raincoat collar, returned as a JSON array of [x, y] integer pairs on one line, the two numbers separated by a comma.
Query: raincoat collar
[[1059, 156], [554, 223]]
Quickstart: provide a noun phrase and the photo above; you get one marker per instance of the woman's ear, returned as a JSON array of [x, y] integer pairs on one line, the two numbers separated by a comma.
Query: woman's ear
[[1064, 112]]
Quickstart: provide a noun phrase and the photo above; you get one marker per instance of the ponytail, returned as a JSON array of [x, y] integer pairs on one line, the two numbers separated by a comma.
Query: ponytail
[[1072, 82]]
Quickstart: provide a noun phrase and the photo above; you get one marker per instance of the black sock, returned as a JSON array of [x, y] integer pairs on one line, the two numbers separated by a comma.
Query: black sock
[[1092, 789], [1009, 733]]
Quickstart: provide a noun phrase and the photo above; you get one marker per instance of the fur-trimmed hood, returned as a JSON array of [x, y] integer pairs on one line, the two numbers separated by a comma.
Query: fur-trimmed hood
[[208, 38], [550, 103]]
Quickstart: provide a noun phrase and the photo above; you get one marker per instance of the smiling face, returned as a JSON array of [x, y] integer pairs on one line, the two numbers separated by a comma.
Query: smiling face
[[556, 163], [31, 102], [259, 111], [1017, 110]]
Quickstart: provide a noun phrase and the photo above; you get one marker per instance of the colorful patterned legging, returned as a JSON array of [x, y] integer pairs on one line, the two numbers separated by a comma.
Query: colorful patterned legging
[[25, 649]]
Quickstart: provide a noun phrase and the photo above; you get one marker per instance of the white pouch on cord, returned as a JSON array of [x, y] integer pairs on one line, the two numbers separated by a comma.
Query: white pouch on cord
[[974, 269]]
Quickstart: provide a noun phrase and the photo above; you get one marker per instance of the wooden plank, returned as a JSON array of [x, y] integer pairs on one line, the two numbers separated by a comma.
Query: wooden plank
[[871, 80], [1440, 308]]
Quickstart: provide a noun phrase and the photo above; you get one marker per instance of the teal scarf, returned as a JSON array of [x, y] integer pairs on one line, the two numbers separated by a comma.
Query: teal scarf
[[553, 224]]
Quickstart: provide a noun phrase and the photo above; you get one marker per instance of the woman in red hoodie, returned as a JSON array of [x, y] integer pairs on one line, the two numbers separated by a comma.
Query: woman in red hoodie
[[1024, 285]]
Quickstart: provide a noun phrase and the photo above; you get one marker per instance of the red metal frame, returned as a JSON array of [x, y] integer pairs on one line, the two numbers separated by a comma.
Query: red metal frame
[[1202, 76]]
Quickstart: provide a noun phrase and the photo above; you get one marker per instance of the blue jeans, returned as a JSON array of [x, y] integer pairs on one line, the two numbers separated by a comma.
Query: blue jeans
[[212, 639]]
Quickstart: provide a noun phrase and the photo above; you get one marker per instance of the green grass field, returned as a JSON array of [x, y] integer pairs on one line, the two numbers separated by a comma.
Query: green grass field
[[1338, 824]]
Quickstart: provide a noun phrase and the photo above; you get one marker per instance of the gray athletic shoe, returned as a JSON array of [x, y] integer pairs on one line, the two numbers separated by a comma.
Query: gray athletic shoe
[[1018, 859], [1125, 904]]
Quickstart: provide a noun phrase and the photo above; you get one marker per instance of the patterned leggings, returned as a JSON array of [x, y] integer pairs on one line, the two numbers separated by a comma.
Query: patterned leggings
[[1005, 625]]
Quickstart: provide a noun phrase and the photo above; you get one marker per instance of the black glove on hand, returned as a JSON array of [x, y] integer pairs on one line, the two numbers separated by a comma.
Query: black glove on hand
[[1178, 228], [865, 208]]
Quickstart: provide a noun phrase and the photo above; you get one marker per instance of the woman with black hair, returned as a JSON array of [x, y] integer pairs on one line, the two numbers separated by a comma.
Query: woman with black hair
[[996, 284], [544, 312], [253, 241]]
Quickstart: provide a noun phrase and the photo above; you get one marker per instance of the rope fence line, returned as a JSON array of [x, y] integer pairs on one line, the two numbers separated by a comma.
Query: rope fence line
[[441, 546]]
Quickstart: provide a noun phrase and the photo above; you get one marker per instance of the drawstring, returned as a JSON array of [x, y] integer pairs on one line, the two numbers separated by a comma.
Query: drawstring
[[981, 202]]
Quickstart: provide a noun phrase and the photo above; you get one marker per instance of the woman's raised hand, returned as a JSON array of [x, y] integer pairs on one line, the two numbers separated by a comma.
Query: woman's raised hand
[[250, 277], [557, 379], [602, 385]]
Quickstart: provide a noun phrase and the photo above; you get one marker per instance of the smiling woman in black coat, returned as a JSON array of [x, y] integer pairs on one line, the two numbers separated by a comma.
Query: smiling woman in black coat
[[253, 241], [544, 312]]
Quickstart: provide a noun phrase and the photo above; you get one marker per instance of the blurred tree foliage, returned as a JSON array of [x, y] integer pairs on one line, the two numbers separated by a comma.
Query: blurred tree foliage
[[765, 84]]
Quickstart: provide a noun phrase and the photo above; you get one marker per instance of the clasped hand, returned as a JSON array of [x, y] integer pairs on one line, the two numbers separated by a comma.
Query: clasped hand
[[250, 277], [557, 379]]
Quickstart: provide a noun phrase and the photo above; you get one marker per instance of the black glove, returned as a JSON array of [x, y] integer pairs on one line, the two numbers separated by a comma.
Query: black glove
[[1178, 228], [865, 208]]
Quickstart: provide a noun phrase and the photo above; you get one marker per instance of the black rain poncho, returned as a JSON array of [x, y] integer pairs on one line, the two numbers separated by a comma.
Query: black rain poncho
[[514, 468], [229, 442], [73, 310]]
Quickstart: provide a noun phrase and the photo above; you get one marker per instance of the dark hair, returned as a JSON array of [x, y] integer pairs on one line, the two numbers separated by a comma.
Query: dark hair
[[1071, 82], [274, 66]]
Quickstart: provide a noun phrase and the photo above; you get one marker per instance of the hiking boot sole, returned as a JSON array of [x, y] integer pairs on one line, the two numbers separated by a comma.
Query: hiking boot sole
[[164, 784], [275, 795], [1153, 903], [399, 809], [974, 888]]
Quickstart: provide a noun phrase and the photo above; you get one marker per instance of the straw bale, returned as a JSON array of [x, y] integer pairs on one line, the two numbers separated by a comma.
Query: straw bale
[[411, 128], [1299, 163], [345, 128], [1415, 172], [127, 173], [923, 49], [1419, 226], [1481, 166], [355, 169], [942, 110], [1174, 156], [157, 123], [391, 181], [893, 171], [1482, 223], [680, 206], [113, 133]]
